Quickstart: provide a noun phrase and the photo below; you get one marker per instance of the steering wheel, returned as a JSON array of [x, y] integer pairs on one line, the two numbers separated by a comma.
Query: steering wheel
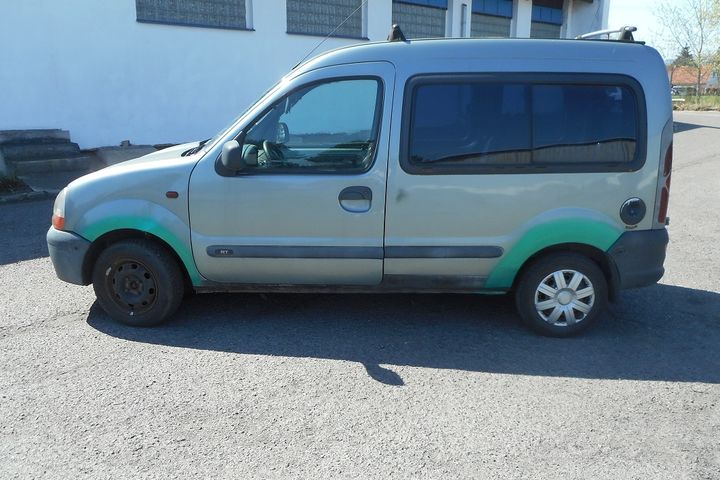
[[273, 151]]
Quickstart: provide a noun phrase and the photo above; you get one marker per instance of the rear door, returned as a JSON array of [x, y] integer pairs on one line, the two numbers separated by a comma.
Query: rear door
[[311, 211], [495, 167]]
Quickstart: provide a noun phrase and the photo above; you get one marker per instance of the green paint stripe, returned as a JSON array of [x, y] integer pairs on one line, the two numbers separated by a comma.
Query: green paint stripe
[[600, 235], [146, 224]]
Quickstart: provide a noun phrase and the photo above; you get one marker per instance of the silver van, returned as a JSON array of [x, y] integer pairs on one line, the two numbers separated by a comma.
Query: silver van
[[538, 167]]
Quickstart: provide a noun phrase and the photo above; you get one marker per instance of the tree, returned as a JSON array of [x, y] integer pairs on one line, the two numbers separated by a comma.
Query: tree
[[684, 59], [694, 25]]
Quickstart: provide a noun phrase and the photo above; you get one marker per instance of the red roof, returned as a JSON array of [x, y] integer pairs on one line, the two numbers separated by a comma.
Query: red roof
[[688, 75]]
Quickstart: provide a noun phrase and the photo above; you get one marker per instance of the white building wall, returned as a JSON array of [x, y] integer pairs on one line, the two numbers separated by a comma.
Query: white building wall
[[89, 67], [585, 17]]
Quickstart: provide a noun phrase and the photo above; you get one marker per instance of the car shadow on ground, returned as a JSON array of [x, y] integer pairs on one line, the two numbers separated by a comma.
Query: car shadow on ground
[[662, 333], [679, 127]]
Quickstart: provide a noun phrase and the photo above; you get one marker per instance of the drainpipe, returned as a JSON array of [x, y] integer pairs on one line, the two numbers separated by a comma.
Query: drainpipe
[[567, 31]]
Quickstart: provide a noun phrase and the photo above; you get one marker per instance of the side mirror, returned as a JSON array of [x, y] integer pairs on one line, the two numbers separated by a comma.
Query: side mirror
[[231, 157], [235, 158], [283, 133]]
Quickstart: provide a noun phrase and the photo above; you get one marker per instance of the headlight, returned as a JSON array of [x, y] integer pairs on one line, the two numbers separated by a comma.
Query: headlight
[[58, 218]]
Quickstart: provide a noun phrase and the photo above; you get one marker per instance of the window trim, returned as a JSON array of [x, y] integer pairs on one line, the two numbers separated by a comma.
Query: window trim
[[350, 37], [194, 25], [528, 79], [480, 11], [420, 4], [377, 127]]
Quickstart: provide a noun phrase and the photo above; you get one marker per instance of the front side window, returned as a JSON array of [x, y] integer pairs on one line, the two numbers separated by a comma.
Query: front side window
[[457, 126], [330, 127]]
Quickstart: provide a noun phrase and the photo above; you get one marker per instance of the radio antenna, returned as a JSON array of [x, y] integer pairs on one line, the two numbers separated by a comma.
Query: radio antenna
[[333, 31]]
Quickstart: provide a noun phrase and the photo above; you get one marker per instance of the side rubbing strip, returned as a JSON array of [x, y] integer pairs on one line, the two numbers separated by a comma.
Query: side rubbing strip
[[376, 253], [443, 252], [273, 251]]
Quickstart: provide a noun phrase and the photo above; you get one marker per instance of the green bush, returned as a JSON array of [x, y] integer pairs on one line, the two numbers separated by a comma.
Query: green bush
[[693, 103]]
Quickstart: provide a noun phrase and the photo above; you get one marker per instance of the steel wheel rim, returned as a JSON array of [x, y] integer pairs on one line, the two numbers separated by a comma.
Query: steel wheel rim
[[132, 286], [564, 298]]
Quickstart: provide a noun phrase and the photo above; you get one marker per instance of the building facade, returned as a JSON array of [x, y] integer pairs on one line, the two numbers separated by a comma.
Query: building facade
[[153, 71]]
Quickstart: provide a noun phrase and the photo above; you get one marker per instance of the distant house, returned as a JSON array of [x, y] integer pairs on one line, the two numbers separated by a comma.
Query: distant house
[[685, 79]]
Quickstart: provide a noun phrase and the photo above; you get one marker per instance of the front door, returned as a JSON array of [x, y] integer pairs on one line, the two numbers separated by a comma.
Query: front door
[[310, 209]]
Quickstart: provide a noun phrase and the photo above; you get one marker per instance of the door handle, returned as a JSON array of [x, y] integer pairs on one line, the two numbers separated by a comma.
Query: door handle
[[355, 199]]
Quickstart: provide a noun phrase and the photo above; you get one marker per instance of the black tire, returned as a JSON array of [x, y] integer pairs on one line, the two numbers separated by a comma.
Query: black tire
[[138, 283], [578, 309]]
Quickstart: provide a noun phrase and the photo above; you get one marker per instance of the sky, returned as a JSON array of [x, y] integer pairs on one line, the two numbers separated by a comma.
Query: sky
[[639, 13]]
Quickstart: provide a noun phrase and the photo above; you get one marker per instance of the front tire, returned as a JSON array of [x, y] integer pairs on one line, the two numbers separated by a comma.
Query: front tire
[[561, 295], [138, 283]]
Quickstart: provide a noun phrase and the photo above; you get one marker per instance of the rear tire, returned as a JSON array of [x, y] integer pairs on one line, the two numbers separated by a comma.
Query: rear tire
[[561, 295], [138, 283]]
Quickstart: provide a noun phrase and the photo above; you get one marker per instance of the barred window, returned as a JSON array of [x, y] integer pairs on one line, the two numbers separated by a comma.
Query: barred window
[[420, 18], [544, 30], [491, 18], [230, 14], [547, 19], [489, 26], [321, 17]]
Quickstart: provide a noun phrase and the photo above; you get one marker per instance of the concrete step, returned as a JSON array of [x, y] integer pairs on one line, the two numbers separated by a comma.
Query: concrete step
[[113, 155], [51, 182], [39, 151], [49, 165], [42, 136]]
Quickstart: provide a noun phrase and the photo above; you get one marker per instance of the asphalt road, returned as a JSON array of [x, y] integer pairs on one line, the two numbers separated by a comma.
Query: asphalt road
[[361, 386]]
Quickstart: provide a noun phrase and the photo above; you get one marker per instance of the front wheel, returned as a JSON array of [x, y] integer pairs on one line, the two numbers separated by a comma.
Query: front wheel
[[561, 295], [137, 283]]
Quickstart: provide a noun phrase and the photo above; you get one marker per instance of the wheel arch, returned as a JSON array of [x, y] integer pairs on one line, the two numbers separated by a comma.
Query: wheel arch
[[115, 236], [601, 258]]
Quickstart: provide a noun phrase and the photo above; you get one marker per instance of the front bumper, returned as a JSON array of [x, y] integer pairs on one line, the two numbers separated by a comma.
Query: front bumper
[[639, 257], [67, 252]]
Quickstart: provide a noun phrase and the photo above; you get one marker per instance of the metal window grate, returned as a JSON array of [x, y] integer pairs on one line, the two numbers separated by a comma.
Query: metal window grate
[[197, 13], [321, 17], [417, 21], [489, 26], [498, 8], [544, 30]]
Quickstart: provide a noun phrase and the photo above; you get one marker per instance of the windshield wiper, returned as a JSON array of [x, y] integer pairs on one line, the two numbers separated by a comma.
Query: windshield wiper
[[196, 149]]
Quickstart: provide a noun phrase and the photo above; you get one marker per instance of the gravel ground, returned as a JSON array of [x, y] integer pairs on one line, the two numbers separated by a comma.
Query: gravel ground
[[361, 386]]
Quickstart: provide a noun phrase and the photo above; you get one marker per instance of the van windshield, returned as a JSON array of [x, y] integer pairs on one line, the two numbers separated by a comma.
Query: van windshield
[[209, 143]]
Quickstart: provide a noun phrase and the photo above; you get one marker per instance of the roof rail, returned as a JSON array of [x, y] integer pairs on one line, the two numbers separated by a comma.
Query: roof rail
[[625, 34]]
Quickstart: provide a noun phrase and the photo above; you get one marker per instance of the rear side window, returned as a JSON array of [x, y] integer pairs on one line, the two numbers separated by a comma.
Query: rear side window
[[470, 124], [584, 124], [520, 124]]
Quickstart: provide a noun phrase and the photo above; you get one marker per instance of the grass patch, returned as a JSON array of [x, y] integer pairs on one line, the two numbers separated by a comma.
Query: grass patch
[[693, 103], [12, 185]]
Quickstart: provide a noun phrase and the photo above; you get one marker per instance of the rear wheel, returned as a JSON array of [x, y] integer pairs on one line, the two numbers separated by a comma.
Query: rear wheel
[[137, 283], [561, 295]]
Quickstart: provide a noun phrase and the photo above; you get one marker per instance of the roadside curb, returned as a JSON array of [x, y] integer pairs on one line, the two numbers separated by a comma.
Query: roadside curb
[[27, 196]]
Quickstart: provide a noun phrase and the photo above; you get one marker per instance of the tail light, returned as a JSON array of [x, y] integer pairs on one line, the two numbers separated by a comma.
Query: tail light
[[665, 194]]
